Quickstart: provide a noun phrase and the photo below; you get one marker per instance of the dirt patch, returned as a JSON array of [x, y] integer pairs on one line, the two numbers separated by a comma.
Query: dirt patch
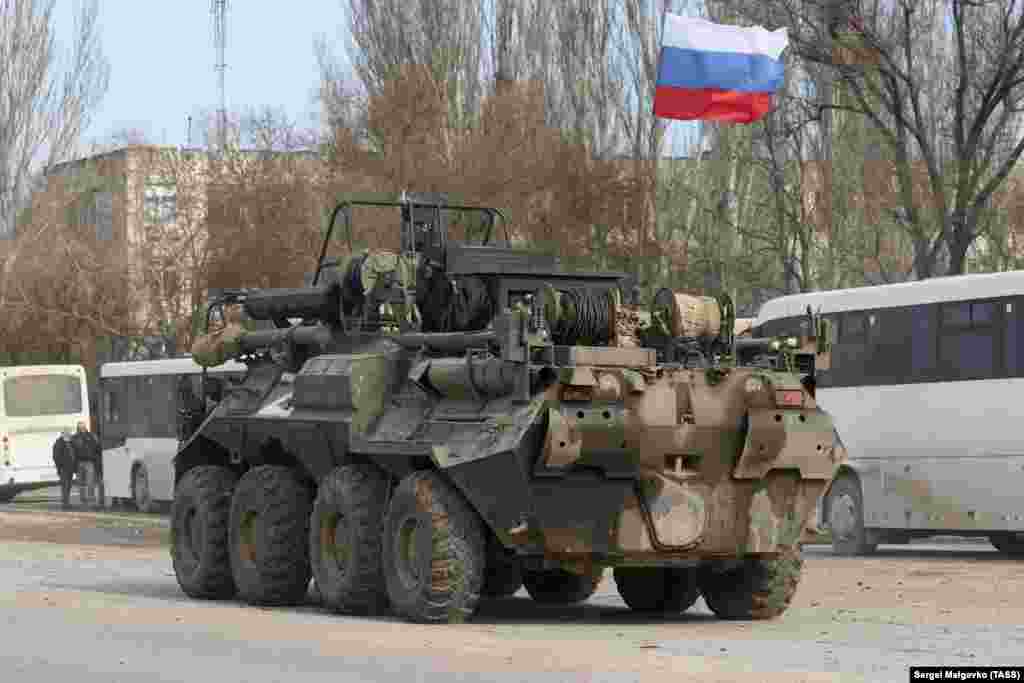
[[80, 528], [455, 648], [868, 618]]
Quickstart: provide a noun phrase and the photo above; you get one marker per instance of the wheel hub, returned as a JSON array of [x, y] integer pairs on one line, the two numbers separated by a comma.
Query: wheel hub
[[247, 537], [334, 540], [194, 538], [843, 516]]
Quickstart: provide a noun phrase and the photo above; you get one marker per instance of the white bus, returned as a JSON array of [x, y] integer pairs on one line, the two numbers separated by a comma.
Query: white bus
[[37, 403], [925, 386], [147, 408]]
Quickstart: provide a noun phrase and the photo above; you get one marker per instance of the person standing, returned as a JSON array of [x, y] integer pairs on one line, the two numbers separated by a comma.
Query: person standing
[[64, 459], [89, 457]]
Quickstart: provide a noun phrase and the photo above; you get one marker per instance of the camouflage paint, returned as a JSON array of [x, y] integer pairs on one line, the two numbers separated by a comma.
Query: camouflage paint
[[217, 347]]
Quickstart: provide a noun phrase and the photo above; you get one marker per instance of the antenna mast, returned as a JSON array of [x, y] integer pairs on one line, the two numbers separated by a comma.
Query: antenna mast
[[219, 10]]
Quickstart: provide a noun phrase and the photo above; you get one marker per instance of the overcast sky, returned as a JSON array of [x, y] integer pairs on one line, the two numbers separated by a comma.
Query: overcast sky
[[162, 57]]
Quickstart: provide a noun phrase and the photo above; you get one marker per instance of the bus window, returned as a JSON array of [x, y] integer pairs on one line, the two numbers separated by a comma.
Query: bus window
[[34, 395], [111, 414], [983, 313], [922, 343], [162, 417], [850, 350], [889, 349], [967, 341], [956, 315], [854, 328]]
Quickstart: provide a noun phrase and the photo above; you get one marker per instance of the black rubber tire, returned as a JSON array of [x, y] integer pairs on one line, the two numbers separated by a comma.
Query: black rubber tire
[[202, 507], [351, 500], [143, 501], [560, 587], [502, 578], [757, 589], [269, 532], [434, 551], [845, 493], [662, 590], [1009, 544]]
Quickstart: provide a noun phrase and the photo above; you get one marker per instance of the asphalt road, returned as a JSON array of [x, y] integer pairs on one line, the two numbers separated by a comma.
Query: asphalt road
[[93, 598]]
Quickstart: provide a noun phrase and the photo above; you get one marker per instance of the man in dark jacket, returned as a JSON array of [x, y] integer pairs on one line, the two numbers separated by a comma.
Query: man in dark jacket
[[64, 459], [89, 459]]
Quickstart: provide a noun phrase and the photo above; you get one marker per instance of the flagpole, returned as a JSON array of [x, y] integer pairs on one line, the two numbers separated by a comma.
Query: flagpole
[[661, 36]]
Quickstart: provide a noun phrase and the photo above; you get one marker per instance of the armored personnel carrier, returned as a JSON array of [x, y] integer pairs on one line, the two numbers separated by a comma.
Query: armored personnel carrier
[[461, 419]]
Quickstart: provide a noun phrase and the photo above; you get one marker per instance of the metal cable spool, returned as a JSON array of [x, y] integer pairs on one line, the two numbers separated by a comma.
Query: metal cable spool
[[688, 316], [579, 316]]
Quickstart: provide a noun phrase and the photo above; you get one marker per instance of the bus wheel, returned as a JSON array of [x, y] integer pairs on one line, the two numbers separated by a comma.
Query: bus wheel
[[664, 590], [345, 539], [1009, 543], [268, 535], [199, 532], [434, 551], [140, 489], [757, 589], [846, 519]]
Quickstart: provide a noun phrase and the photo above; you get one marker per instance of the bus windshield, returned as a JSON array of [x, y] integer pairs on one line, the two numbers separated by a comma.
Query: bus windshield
[[34, 395]]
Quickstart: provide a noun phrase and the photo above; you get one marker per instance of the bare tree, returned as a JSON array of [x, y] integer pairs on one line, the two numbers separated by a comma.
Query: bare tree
[[44, 104], [942, 82], [444, 34], [67, 286]]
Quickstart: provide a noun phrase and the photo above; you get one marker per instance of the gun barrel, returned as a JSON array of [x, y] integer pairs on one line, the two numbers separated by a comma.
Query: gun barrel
[[444, 341], [309, 303], [306, 335]]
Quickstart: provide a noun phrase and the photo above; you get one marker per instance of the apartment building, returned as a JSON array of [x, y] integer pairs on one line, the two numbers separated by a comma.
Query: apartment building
[[156, 205]]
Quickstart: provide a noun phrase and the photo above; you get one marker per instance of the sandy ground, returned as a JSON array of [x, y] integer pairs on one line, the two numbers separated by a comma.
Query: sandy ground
[[101, 587]]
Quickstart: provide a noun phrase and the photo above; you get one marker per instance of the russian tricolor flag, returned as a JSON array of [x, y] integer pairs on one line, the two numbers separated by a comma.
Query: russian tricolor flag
[[717, 72]]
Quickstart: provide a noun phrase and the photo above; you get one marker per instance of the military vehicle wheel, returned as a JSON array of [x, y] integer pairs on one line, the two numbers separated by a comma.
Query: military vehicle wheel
[[560, 587], [345, 539], [269, 530], [434, 551], [1010, 543], [199, 532], [502, 578], [845, 506], [657, 589], [757, 589]]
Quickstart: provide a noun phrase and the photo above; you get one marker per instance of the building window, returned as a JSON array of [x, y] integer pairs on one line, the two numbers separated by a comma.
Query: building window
[[104, 213], [87, 211]]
